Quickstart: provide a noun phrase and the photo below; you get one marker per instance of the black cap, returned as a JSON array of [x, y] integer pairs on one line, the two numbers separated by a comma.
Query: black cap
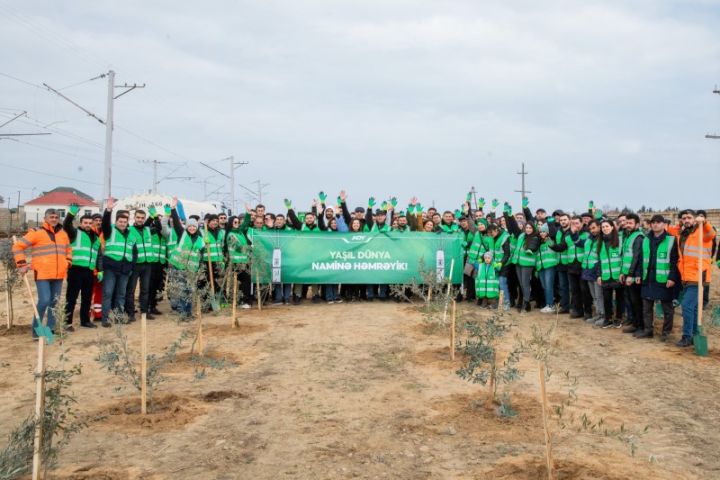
[[359, 210], [657, 218], [586, 214], [558, 212], [380, 211], [687, 210]]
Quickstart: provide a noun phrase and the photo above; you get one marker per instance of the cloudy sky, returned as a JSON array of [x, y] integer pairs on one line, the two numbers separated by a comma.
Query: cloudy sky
[[608, 101]]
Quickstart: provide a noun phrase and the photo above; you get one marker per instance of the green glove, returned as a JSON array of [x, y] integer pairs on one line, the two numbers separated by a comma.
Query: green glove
[[481, 203], [384, 205], [525, 202], [591, 204], [288, 204], [322, 196], [371, 202], [411, 209], [168, 210], [458, 214], [718, 263], [498, 265], [468, 197], [74, 209], [507, 208], [551, 219], [495, 203], [418, 208], [44, 331], [598, 214], [100, 276], [393, 202], [152, 211], [339, 200]]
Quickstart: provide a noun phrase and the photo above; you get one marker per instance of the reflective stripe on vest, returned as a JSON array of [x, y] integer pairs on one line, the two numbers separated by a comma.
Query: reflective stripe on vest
[[547, 257], [119, 247], [215, 246], [84, 250], [186, 254], [143, 243], [487, 284], [662, 258], [521, 256], [495, 245], [590, 255], [628, 251], [610, 262]]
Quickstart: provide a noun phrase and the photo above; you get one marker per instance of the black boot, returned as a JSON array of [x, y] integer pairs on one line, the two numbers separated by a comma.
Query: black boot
[[527, 306]]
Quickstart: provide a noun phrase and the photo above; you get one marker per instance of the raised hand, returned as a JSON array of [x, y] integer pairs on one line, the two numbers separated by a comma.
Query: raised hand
[[110, 204], [481, 203], [288, 204], [152, 211], [74, 209], [167, 209], [371, 202], [322, 196], [343, 195], [525, 202], [495, 203], [173, 203]]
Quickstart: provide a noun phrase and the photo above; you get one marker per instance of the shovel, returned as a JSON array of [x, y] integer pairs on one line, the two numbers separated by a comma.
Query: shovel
[[700, 339], [213, 301]]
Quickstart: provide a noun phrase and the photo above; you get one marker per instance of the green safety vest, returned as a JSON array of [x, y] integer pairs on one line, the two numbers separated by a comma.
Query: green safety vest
[[610, 262], [662, 260], [118, 246], [590, 255], [467, 240], [449, 229], [162, 258], [495, 245], [215, 246], [155, 242], [627, 251], [187, 254], [171, 243], [237, 247], [546, 257], [477, 248], [487, 284], [521, 256], [305, 228], [85, 251], [143, 243], [384, 228], [572, 253]]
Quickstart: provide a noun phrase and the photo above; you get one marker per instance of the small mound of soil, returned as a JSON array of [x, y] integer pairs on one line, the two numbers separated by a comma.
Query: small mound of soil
[[299, 325], [469, 415], [533, 468], [167, 412], [438, 357], [15, 330], [187, 362], [220, 395], [241, 329]]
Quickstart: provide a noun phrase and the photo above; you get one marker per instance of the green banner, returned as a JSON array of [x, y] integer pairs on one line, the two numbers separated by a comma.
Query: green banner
[[355, 258]]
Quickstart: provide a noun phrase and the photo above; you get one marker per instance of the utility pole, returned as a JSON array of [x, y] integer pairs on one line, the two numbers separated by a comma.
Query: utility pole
[[522, 190], [108, 122], [714, 137], [231, 176], [155, 164], [257, 193]]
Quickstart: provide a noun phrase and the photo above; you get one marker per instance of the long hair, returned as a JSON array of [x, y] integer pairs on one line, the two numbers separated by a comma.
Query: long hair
[[531, 235], [614, 238]]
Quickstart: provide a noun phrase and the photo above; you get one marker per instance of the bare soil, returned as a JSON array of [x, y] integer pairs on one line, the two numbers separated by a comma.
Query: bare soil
[[367, 390]]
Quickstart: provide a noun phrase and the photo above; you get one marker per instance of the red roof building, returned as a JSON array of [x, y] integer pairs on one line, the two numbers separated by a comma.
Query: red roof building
[[59, 198]]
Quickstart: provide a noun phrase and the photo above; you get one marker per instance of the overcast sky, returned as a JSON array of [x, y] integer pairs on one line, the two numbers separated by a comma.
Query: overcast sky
[[608, 101]]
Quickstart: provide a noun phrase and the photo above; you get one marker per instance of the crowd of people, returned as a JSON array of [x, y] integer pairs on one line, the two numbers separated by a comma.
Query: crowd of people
[[608, 272]]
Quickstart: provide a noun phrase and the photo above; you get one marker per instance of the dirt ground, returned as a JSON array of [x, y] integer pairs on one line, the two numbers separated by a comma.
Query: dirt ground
[[364, 390]]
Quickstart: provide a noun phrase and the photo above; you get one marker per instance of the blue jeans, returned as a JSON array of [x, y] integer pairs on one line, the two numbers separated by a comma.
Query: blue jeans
[[331, 292], [114, 288], [48, 293], [502, 280], [183, 303], [689, 310], [547, 280], [282, 292], [382, 291], [564, 287]]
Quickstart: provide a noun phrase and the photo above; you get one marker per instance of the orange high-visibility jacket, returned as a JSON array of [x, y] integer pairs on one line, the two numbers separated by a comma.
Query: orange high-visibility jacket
[[690, 253], [50, 251]]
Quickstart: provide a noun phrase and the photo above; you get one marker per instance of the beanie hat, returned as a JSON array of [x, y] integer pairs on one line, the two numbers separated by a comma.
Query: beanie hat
[[192, 222]]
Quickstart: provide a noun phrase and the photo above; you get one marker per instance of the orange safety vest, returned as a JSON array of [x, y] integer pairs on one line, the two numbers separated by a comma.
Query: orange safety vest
[[51, 252], [690, 252]]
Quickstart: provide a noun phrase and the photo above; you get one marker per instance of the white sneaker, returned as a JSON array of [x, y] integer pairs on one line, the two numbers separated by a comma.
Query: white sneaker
[[339, 300], [330, 302], [547, 309], [245, 305]]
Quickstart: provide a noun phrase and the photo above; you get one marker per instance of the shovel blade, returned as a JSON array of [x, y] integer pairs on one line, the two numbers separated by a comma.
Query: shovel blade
[[701, 344]]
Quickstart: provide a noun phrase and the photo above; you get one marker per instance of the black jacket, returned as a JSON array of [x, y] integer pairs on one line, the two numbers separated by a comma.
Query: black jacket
[[650, 288], [122, 267]]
